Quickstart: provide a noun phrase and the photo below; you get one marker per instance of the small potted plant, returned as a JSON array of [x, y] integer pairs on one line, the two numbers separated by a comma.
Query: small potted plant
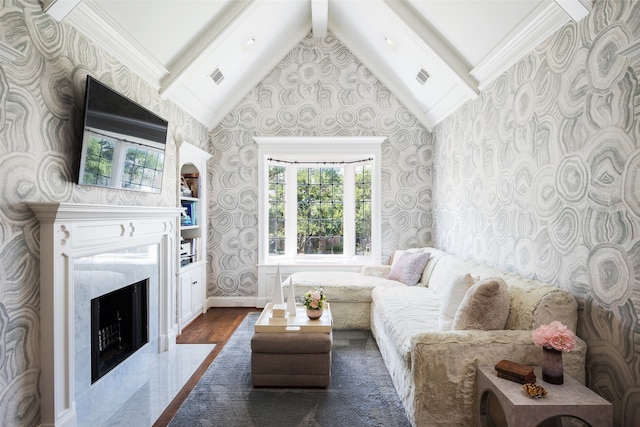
[[554, 339], [314, 301]]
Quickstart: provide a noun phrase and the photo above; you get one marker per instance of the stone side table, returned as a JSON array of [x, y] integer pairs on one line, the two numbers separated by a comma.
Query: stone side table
[[500, 402]]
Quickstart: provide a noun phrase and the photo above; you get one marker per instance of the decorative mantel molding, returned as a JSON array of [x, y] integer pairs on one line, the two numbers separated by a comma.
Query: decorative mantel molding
[[69, 231]]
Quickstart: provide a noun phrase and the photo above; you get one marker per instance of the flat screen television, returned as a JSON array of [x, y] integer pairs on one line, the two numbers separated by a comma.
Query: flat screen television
[[123, 143]]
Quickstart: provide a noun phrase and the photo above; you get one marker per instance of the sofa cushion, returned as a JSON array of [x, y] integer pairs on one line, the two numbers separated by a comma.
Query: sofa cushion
[[338, 285], [405, 311], [445, 271], [485, 306], [408, 267], [452, 298]]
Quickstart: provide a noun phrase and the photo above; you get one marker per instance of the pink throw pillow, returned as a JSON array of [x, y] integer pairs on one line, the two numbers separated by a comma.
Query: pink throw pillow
[[408, 268]]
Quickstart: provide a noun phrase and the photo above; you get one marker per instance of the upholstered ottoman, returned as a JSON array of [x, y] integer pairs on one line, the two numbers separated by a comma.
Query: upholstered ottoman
[[291, 359]]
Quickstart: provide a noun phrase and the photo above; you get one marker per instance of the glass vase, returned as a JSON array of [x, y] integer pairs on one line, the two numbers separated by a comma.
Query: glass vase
[[552, 366]]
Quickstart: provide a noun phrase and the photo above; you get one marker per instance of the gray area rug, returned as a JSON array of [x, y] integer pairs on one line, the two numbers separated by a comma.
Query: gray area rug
[[360, 394]]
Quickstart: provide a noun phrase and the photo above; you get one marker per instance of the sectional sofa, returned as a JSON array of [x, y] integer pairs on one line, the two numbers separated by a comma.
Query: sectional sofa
[[436, 317]]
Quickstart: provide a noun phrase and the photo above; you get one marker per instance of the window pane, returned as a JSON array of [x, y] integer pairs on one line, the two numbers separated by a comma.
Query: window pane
[[99, 161], [142, 168], [320, 210], [276, 209], [363, 209]]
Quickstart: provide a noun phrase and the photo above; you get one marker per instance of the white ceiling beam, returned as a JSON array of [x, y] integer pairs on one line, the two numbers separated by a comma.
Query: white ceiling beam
[[319, 17], [576, 9], [448, 58], [200, 49], [58, 9]]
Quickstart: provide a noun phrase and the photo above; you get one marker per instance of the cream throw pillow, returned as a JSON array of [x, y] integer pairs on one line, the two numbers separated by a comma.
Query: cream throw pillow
[[485, 306], [452, 298]]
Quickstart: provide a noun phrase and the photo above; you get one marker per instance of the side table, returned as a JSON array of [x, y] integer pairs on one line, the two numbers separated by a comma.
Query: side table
[[518, 409]]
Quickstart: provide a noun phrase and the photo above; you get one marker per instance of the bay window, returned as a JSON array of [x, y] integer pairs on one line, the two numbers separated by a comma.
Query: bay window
[[319, 200]]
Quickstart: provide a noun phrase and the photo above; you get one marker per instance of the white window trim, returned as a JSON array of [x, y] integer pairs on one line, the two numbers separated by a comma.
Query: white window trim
[[310, 149]]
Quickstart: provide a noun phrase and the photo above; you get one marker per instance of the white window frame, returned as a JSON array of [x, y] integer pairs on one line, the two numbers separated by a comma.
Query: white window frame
[[317, 149]]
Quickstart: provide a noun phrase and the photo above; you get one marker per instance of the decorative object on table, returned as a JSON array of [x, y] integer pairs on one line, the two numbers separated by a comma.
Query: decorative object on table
[[314, 302], [291, 299], [534, 390], [277, 297], [554, 338], [514, 371]]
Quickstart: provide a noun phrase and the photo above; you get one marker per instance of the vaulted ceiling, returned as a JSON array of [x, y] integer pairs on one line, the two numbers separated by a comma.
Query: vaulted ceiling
[[206, 55]]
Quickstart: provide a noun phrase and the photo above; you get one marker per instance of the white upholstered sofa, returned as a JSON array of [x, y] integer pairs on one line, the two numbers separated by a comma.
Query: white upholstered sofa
[[434, 370]]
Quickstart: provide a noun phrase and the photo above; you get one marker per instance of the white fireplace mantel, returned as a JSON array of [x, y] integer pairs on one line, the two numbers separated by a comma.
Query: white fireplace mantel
[[69, 231]]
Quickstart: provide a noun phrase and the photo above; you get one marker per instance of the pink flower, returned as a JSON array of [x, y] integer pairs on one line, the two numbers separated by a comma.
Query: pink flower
[[314, 300], [554, 335]]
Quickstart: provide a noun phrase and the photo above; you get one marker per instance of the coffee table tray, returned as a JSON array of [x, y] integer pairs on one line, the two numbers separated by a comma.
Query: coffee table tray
[[298, 323]]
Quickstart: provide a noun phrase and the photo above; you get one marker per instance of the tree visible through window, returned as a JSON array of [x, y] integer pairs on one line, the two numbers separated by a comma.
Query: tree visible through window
[[320, 211], [320, 203]]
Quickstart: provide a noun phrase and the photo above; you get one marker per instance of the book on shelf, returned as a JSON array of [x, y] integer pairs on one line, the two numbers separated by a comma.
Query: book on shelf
[[189, 215]]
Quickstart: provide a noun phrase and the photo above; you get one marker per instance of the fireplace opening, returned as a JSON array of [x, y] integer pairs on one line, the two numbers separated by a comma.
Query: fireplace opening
[[119, 327]]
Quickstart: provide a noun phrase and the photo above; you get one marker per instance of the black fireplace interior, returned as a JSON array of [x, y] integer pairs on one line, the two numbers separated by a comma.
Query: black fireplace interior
[[119, 327]]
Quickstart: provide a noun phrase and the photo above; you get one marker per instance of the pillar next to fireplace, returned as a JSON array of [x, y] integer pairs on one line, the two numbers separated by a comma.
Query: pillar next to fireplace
[[69, 231]]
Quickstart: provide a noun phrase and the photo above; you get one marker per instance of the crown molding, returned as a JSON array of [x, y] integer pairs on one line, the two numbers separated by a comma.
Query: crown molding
[[9, 54], [91, 21], [541, 24]]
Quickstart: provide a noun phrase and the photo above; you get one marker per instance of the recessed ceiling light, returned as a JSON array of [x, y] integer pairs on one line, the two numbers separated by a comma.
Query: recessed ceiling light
[[249, 44], [390, 42]]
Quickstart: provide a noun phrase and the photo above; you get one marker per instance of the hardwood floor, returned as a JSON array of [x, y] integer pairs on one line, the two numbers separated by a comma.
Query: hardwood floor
[[214, 327]]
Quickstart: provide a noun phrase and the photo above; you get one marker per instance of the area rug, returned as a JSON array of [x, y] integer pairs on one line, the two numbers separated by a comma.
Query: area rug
[[360, 394]]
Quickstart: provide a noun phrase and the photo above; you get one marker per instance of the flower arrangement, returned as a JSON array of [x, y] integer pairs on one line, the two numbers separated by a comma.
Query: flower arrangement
[[555, 336], [314, 300]]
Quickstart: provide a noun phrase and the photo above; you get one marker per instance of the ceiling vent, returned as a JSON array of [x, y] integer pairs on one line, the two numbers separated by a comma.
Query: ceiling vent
[[217, 76], [422, 76]]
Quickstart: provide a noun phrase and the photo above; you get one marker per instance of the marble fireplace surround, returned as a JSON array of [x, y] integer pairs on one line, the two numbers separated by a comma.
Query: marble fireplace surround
[[71, 233]]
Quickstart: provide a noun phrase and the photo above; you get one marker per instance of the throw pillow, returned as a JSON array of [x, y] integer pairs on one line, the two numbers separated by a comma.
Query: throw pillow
[[485, 306], [452, 298], [408, 267]]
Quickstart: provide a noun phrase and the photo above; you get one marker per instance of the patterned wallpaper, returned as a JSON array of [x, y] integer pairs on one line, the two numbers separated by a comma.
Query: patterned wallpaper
[[41, 103], [320, 88], [540, 175]]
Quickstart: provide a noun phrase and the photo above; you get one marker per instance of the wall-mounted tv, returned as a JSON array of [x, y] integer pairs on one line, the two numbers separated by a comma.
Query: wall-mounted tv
[[123, 143]]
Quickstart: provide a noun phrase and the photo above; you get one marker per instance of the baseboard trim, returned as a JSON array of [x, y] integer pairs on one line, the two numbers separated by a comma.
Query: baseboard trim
[[231, 302]]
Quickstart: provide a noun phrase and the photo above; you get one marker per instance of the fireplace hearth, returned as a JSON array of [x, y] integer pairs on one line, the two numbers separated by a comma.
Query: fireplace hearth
[[119, 327]]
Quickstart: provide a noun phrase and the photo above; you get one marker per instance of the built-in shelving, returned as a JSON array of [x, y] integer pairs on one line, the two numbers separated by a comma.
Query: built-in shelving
[[192, 249]]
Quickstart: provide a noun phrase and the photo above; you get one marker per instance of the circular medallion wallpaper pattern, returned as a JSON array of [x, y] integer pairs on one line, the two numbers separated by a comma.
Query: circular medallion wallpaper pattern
[[551, 162], [319, 89]]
